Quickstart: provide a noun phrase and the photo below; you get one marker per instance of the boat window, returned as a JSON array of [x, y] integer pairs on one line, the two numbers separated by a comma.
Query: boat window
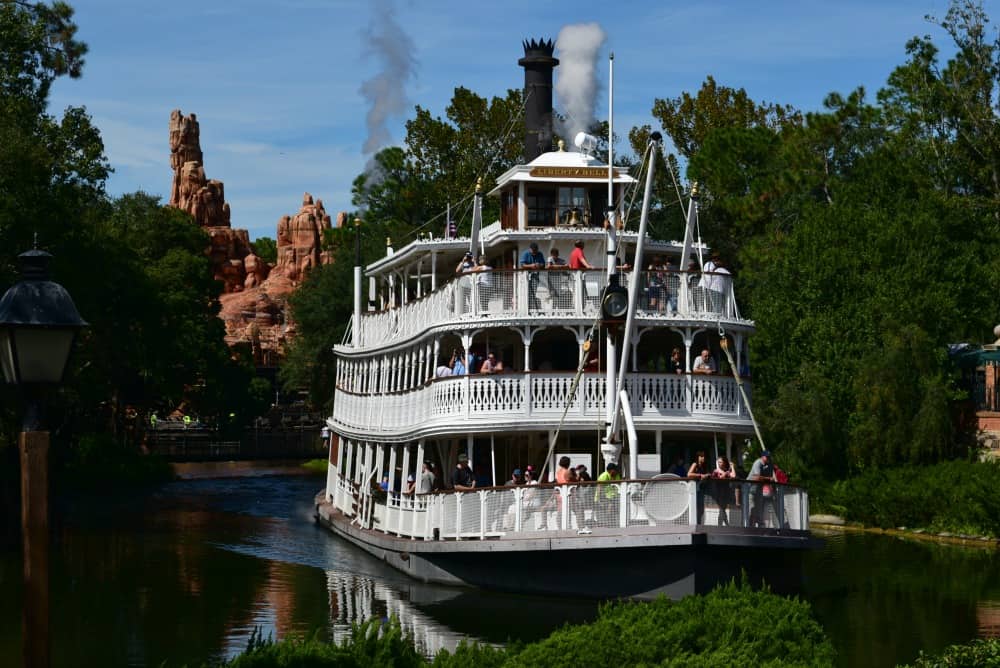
[[508, 209], [573, 208], [541, 206]]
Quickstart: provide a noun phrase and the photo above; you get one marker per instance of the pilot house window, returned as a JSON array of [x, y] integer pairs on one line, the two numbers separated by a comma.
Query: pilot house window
[[573, 209], [541, 206]]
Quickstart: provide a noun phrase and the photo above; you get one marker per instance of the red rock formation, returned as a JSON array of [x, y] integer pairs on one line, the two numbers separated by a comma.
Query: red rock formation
[[255, 293], [300, 240], [191, 191]]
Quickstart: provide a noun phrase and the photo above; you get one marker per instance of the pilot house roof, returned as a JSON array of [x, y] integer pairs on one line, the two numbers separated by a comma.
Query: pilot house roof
[[562, 167]]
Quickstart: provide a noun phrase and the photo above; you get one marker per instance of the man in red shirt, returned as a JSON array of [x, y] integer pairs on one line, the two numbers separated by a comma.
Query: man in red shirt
[[577, 260]]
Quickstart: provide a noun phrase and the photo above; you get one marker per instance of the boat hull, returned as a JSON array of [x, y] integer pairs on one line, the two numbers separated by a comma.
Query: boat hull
[[628, 563]]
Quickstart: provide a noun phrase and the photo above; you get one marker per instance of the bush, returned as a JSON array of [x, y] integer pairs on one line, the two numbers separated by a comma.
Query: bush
[[958, 497], [731, 626], [971, 655]]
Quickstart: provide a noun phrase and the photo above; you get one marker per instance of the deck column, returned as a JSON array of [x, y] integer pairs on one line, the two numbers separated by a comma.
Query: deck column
[[405, 477], [419, 472]]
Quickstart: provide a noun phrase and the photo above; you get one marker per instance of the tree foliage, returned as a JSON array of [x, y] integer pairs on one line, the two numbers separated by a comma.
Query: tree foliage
[[137, 270], [865, 240]]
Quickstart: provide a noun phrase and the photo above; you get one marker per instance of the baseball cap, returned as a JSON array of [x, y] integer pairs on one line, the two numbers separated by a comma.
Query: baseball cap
[[517, 471], [463, 458], [766, 453]]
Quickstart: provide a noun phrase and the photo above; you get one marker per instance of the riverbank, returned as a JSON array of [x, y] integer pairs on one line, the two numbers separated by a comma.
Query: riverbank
[[834, 523]]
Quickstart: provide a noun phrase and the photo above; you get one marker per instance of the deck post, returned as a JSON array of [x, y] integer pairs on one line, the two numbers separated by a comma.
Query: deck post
[[692, 503], [518, 495], [404, 481], [622, 505]]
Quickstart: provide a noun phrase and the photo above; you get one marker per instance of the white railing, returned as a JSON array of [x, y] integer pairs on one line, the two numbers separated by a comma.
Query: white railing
[[500, 512], [554, 293], [516, 397]]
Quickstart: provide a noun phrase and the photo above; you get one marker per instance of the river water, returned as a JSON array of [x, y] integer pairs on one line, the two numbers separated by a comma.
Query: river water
[[185, 573]]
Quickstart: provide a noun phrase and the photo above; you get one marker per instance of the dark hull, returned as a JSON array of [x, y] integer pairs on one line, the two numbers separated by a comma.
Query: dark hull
[[636, 566]]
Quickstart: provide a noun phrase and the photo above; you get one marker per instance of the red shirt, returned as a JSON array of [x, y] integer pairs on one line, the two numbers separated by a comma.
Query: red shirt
[[577, 259]]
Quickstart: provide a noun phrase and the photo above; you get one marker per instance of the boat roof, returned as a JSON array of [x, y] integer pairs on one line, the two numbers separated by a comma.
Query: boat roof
[[493, 235], [562, 166]]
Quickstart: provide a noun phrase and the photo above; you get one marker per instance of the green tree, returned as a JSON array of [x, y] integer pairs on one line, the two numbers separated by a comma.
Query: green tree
[[266, 249]]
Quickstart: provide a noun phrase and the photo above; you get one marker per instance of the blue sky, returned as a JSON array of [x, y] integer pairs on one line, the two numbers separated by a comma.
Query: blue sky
[[276, 85]]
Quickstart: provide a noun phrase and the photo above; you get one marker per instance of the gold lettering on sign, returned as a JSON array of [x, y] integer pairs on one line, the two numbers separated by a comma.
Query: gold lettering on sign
[[569, 172]]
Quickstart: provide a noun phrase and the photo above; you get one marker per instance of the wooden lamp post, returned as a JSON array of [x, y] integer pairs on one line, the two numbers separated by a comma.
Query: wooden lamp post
[[38, 324]]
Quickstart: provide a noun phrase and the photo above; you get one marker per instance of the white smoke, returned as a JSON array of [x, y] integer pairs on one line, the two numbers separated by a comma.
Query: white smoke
[[386, 42], [576, 87]]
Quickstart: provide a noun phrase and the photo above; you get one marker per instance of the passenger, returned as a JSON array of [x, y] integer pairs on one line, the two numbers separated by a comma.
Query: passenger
[[462, 478], [582, 474], [484, 282], [699, 468], [562, 298], [724, 475], [384, 485], [491, 365], [699, 471], [565, 474], [577, 260], [444, 370], [426, 478], [675, 364], [533, 259], [411, 485], [457, 363], [678, 469], [762, 471], [463, 293], [704, 363], [606, 496], [516, 479], [656, 292]]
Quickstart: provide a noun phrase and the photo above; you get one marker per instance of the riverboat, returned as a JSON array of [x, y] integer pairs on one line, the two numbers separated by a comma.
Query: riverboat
[[586, 374]]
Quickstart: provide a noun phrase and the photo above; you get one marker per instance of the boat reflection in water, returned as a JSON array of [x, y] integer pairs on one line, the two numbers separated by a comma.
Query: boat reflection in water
[[438, 617], [357, 598]]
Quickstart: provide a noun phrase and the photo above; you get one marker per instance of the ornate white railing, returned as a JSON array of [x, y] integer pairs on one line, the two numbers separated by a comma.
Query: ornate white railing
[[463, 401], [555, 293], [507, 512]]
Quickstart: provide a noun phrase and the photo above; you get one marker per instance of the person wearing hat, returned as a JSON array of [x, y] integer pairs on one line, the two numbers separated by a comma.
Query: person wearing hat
[[762, 471], [462, 479], [515, 479], [533, 259]]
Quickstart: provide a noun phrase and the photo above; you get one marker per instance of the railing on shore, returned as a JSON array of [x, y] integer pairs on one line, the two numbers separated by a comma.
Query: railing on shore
[[536, 395], [556, 293], [527, 510], [189, 445]]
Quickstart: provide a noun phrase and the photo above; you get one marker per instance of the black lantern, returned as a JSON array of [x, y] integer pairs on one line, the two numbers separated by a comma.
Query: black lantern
[[614, 301], [38, 324]]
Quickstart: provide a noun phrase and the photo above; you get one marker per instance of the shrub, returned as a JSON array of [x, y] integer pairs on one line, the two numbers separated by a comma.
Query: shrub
[[955, 496], [970, 655], [733, 625]]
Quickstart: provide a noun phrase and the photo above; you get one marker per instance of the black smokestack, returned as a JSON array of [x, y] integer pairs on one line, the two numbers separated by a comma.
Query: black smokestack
[[538, 64]]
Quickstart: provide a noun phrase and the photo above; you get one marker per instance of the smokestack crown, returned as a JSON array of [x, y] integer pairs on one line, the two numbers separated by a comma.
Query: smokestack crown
[[538, 64]]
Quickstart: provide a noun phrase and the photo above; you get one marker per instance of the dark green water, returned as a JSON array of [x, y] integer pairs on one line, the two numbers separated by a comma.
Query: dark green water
[[184, 574]]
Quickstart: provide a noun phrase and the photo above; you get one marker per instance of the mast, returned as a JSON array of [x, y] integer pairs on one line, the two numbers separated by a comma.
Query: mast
[[356, 338], [609, 449], [633, 300]]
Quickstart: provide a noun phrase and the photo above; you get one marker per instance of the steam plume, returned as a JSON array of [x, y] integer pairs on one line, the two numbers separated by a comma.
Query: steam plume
[[386, 42], [579, 45]]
